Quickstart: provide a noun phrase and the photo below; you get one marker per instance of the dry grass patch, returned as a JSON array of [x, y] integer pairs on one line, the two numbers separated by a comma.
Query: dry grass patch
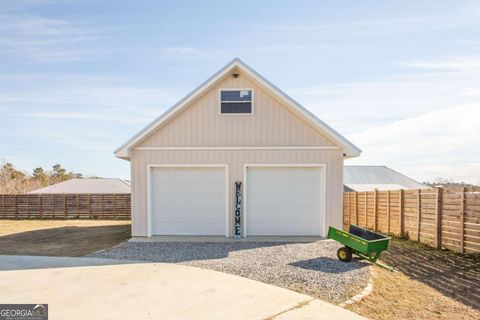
[[396, 296], [432, 284], [71, 238]]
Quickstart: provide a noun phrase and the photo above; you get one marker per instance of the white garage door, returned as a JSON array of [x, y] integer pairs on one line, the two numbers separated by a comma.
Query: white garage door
[[188, 201], [284, 201]]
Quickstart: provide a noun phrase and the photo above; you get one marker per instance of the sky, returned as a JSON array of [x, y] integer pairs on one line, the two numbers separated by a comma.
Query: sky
[[400, 79]]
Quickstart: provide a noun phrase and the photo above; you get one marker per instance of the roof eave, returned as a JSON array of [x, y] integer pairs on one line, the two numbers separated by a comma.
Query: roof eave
[[350, 149], [123, 149], [122, 154], [352, 153]]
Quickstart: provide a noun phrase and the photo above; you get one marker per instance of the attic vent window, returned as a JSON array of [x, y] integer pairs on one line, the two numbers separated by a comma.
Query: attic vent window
[[236, 101]]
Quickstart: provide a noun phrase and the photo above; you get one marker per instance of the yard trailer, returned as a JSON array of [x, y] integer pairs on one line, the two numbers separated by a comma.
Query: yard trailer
[[364, 243]]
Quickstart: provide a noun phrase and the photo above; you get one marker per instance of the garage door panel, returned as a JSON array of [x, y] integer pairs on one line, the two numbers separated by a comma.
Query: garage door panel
[[284, 201], [188, 201]]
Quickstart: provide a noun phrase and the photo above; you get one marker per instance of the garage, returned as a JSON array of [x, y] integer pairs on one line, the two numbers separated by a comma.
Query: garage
[[188, 200], [236, 119], [285, 201]]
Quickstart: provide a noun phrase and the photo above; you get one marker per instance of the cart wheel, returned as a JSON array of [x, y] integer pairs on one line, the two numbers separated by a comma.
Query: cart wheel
[[344, 254]]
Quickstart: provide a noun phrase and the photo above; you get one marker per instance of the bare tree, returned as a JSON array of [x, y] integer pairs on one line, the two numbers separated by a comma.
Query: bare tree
[[16, 181]]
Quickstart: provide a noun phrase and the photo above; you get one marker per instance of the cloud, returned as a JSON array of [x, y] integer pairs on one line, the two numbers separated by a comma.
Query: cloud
[[180, 50], [381, 25], [64, 92], [457, 63], [41, 39], [407, 121], [439, 144], [474, 92], [357, 106], [222, 53], [82, 116]]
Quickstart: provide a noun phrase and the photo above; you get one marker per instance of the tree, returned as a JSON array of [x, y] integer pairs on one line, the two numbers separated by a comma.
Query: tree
[[41, 176], [448, 183], [13, 181], [74, 175], [9, 171], [59, 174], [16, 181]]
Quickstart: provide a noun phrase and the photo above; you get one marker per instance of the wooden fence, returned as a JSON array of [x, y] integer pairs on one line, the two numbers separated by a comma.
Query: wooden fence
[[65, 206], [443, 218]]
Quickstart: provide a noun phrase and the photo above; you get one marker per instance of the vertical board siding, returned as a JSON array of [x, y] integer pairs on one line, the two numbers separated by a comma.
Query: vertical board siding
[[65, 206], [271, 124], [235, 159], [442, 218]]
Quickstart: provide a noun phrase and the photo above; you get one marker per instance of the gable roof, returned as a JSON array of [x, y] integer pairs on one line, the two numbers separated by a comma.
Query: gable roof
[[369, 178], [350, 150], [112, 185]]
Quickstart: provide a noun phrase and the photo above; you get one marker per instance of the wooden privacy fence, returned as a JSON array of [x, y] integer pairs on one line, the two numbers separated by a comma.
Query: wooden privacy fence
[[65, 206], [443, 218]]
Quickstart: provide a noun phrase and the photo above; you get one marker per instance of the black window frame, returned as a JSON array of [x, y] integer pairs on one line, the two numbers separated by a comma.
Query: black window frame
[[235, 103]]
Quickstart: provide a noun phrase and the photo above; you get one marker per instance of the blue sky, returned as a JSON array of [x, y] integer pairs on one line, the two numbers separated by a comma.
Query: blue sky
[[401, 79]]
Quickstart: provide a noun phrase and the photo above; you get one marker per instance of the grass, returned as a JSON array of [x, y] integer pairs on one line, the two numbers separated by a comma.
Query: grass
[[71, 238], [431, 284]]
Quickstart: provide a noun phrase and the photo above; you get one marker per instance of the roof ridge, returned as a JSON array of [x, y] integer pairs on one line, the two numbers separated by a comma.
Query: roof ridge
[[407, 177], [349, 148]]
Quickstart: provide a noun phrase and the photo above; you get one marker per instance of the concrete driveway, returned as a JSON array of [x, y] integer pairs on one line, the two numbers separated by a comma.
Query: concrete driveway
[[83, 288]]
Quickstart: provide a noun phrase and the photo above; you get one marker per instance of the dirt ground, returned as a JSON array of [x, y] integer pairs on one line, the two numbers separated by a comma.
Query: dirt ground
[[431, 284], [71, 238]]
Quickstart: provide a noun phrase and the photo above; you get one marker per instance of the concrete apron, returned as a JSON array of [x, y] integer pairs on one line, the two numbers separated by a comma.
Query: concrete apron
[[156, 290], [10, 262], [298, 239]]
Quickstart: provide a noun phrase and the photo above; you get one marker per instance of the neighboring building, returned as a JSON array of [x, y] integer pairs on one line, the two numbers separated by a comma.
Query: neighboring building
[[369, 178], [87, 186], [236, 127]]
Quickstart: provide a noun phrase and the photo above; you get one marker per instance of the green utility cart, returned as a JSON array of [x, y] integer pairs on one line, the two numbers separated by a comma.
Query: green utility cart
[[361, 242]]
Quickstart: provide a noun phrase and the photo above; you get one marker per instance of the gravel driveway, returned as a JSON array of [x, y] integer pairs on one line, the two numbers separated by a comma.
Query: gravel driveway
[[310, 268]]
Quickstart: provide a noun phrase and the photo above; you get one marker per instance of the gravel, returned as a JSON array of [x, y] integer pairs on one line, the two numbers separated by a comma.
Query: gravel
[[310, 268]]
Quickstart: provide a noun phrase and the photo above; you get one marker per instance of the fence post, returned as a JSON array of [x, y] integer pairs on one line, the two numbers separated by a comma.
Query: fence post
[[349, 209], [3, 198], [40, 205], [15, 205], [375, 211], [78, 205], [366, 210], [388, 211], [438, 217], [90, 205], [356, 208], [419, 213], [462, 220], [114, 206], [103, 210], [28, 206], [345, 210], [400, 211], [65, 205]]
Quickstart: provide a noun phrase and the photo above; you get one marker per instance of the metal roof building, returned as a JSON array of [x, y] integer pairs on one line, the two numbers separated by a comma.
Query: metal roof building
[[369, 178], [110, 185]]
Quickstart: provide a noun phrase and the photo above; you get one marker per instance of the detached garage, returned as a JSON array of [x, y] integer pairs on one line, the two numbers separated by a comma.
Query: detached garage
[[236, 157]]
